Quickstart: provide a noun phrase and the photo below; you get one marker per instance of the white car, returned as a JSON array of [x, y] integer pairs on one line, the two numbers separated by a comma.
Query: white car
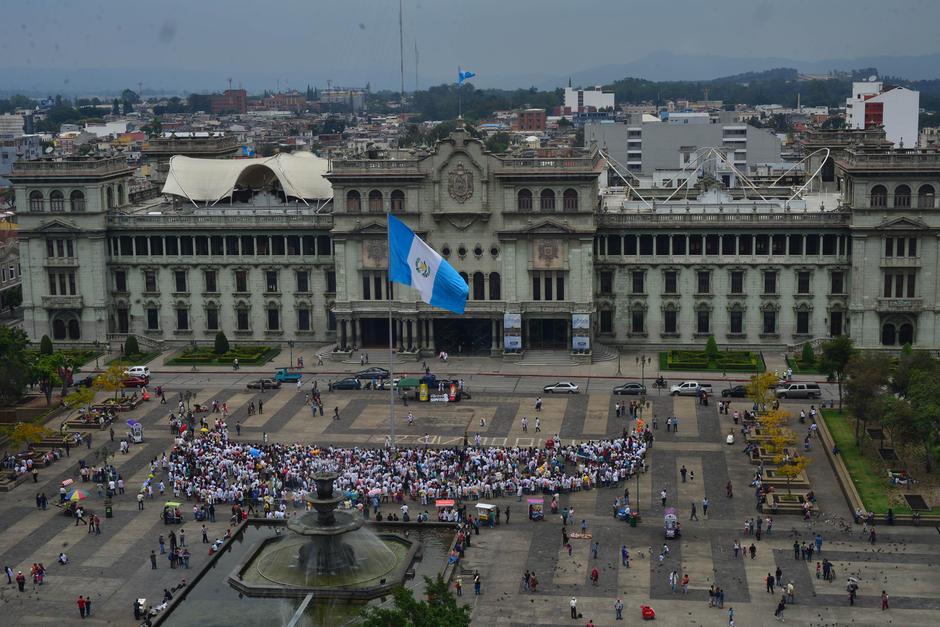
[[562, 387], [137, 371], [690, 388]]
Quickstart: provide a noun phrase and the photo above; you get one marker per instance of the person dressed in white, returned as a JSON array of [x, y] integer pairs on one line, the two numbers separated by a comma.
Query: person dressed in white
[[411, 418]]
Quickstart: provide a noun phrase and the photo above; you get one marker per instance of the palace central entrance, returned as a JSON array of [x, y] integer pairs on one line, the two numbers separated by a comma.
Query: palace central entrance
[[463, 336], [547, 333]]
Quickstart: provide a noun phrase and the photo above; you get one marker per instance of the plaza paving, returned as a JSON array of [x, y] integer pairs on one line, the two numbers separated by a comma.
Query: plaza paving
[[114, 568]]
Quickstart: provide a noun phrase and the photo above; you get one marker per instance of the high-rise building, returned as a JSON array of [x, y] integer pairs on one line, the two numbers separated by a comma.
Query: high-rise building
[[586, 100], [897, 109]]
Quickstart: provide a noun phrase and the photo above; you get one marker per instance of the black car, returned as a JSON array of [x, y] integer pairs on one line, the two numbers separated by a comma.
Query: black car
[[738, 391], [632, 389], [269, 384], [349, 383], [373, 373], [84, 382]]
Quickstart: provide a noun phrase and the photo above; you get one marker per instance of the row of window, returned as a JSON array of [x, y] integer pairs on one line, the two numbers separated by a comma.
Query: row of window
[[715, 245], [242, 319], [769, 320], [376, 286], [37, 201], [902, 196], [376, 201], [900, 284], [9, 273], [220, 245], [703, 282], [900, 247], [64, 248], [546, 200], [62, 284], [548, 286], [210, 281]]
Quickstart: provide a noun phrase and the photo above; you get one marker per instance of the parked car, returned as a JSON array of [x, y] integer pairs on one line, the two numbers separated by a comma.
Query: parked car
[[799, 390], [738, 391], [137, 371], [632, 389], [136, 382], [562, 387], [373, 372], [267, 384], [690, 388], [349, 383], [84, 382]]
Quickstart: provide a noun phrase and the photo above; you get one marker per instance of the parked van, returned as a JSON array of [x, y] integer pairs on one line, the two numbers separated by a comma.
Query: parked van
[[799, 390]]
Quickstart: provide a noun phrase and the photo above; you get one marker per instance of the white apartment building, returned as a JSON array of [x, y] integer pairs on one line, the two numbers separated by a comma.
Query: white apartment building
[[897, 109]]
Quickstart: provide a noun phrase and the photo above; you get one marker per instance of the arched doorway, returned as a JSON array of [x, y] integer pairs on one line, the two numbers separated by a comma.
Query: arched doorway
[[75, 330], [888, 334], [58, 329], [906, 334]]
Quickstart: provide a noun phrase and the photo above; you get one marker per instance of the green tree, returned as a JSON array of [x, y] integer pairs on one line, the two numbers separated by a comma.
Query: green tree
[[866, 377], [131, 347], [14, 297], [221, 343], [14, 365], [908, 364], [45, 345], [807, 357], [441, 608], [924, 398], [498, 142], [48, 371], [711, 349], [25, 434], [835, 358], [111, 380], [81, 397]]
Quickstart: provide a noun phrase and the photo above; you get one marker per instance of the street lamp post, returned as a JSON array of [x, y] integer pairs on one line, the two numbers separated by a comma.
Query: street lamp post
[[97, 343], [641, 361], [291, 344], [619, 356]]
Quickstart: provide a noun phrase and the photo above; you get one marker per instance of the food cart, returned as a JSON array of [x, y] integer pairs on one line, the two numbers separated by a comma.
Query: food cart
[[135, 431], [485, 513], [444, 505], [172, 514], [671, 523], [535, 509]]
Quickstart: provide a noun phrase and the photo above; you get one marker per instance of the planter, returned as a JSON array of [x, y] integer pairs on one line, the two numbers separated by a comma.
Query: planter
[[779, 482], [785, 504]]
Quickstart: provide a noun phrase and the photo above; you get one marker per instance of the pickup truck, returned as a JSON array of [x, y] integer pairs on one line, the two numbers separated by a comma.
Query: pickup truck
[[690, 388], [287, 375]]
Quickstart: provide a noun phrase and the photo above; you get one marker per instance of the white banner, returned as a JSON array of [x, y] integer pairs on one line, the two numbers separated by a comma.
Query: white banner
[[580, 321], [512, 321], [580, 342], [513, 342]]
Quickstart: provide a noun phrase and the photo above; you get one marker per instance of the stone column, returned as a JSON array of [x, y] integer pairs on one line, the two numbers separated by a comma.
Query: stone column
[[410, 333], [431, 334], [494, 326], [355, 332], [342, 334]]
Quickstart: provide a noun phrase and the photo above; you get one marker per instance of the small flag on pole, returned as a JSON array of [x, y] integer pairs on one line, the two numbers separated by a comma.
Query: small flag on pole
[[463, 75], [412, 262]]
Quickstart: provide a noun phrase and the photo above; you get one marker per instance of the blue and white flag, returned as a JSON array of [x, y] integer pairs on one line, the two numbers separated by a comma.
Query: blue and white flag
[[412, 262], [463, 75]]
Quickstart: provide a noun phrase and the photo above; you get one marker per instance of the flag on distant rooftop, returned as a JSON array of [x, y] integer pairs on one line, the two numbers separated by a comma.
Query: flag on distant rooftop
[[412, 262], [463, 75]]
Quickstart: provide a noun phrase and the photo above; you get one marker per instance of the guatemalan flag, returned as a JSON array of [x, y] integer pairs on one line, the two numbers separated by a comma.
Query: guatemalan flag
[[463, 75], [412, 262]]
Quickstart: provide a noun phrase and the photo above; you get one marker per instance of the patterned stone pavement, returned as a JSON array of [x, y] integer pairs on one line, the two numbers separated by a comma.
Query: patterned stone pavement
[[114, 568]]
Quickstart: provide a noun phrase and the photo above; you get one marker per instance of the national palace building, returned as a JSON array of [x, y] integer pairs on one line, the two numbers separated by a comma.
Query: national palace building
[[293, 248]]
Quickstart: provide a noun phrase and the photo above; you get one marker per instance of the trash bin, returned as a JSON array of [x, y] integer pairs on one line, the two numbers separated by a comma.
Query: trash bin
[[633, 520], [108, 512]]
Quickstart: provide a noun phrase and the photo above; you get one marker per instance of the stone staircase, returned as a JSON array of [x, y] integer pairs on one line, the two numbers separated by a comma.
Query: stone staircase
[[533, 357]]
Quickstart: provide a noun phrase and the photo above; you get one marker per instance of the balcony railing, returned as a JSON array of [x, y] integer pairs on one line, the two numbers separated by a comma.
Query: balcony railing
[[292, 220], [70, 167], [898, 159], [355, 166], [62, 302], [903, 305], [623, 219]]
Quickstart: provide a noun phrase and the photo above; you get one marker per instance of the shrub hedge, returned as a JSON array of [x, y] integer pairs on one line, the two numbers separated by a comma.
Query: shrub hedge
[[726, 361], [206, 355]]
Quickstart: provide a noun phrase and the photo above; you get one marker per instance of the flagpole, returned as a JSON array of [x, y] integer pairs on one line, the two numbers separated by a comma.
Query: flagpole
[[391, 353]]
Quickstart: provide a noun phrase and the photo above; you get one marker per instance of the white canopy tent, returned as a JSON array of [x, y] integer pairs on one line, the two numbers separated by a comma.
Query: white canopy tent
[[210, 180]]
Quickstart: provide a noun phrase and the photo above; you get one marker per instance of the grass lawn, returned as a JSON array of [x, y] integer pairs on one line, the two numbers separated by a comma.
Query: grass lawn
[[80, 356], [798, 368], [869, 473], [206, 356], [698, 361]]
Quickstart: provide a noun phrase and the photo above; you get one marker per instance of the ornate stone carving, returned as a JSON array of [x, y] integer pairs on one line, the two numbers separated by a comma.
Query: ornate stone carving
[[374, 254], [547, 254], [460, 184]]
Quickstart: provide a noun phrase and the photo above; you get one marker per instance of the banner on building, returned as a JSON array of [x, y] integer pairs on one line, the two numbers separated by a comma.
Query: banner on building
[[512, 342], [512, 321], [580, 321], [580, 342]]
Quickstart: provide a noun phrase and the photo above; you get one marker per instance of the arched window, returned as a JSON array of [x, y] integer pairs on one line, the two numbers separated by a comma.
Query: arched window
[[906, 334], [75, 330], [925, 197], [109, 198], [466, 279], [36, 201], [398, 201], [902, 196], [547, 200], [879, 196], [120, 194], [56, 201], [58, 329], [77, 201], [479, 286], [495, 286], [888, 337], [570, 200], [375, 201], [353, 201], [524, 200]]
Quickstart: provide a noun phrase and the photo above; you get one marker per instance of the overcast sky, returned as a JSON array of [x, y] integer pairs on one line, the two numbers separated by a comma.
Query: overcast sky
[[310, 40]]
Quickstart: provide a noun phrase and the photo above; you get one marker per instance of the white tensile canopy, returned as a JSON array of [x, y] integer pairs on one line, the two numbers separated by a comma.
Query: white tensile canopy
[[210, 180]]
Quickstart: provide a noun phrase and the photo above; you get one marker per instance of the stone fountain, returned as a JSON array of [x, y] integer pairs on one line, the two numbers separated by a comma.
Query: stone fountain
[[329, 554]]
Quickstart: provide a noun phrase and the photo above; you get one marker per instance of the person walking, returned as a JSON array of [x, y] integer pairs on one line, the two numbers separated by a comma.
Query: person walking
[[594, 576], [778, 613], [770, 583], [477, 583], [594, 547], [618, 610], [693, 515], [625, 556], [705, 507], [21, 581], [205, 535], [153, 560], [884, 601], [458, 586], [673, 581], [81, 606], [573, 604]]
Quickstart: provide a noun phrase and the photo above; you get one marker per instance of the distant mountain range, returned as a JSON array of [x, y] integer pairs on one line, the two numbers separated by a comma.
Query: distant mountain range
[[655, 66]]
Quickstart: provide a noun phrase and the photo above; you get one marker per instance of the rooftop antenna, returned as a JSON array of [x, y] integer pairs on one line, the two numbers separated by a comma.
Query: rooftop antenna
[[401, 59], [140, 90], [230, 83]]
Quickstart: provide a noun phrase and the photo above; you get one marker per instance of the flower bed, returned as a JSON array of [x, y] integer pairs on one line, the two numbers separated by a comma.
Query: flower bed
[[246, 355], [727, 361]]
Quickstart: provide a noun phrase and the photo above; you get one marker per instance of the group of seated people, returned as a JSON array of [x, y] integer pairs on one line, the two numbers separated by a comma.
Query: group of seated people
[[172, 515]]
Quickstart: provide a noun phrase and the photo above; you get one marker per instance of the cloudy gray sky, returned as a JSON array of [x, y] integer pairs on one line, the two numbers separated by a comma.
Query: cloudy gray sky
[[300, 41]]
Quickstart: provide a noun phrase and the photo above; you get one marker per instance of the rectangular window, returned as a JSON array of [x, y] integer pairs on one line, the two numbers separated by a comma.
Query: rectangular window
[[186, 246], [671, 282], [802, 322], [140, 246], [712, 243], [695, 244], [548, 287], [179, 277], [241, 319], [241, 281], [127, 246], [156, 245], [629, 245], [293, 244], [835, 323], [202, 245], [637, 321], [182, 319], [669, 321], [303, 319], [779, 244], [770, 322], [812, 244], [212, 319], [702, 321], [536, 288], [829, 244], [662, 245], [120, 281], [888, 281], [324, 245], [309, 243], [637, 285], [899, 246], [613, 245], [274, 319], [211, 281], [911, 282], [262, 244], [606, 282], [330, 321], [303, 281], [217, 245], [172, 245], [270, 280], [52, 286], [377, 286], [745, 244], [703, 284], [248, 245], [277, 245], [646, 245], [153, 319], [331, 281], [762, 244], [736, 322], [911, 247], [231, 245], [607, 321], [50, 248], [73, 289], [796, 244], [770, 282], [836, 283], [560, 288], [366, 287], [678, 244], [150, 280], [802, 282], [737, 282], [889, 247], [728, 245], [899, 285]]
